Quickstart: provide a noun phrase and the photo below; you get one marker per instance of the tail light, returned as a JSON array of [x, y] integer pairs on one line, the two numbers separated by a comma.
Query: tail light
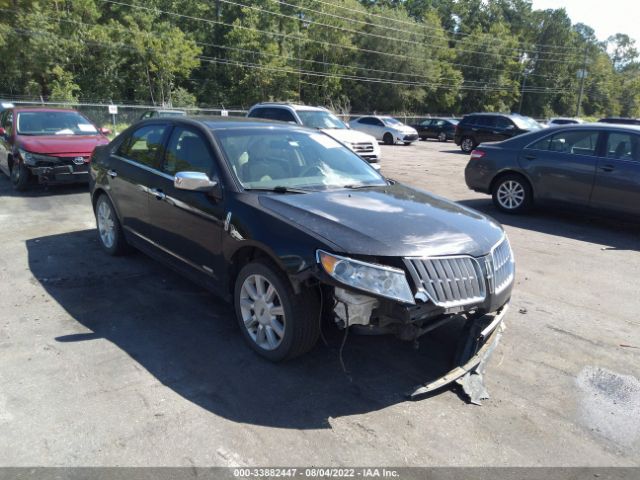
[[477, 154]]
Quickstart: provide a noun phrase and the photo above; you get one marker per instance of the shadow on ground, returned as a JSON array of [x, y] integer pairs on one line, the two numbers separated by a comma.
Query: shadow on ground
[[615, 234], [188, 340]]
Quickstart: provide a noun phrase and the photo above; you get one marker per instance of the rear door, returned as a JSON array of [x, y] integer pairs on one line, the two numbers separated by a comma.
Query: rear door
[[131, 170], [188, 225], [562, 166], [617, 182]]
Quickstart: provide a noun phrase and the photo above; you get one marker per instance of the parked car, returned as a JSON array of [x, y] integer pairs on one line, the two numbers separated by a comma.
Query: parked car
[[476, 128], [287, 223], [322, 119], [5, 105], [620, 120], [596, 166], [51, 145], [554, 122], [162, 112], [385, 129], [441, 128]]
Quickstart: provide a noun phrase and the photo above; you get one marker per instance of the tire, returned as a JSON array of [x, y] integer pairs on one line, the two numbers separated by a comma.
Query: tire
[[20, 176], [442, 137], [387, 139], [512, 193], [424, 139], [408, 143], [467, 144], [110, 234], [279, 325]]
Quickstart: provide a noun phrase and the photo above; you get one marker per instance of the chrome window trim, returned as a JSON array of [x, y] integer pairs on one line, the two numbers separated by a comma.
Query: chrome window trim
[[142, 166]]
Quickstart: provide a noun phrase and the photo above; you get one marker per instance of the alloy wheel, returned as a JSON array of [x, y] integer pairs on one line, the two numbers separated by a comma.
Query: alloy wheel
[[262, 312], [106, 224], [467, 145], [442, 137], [510, 194]]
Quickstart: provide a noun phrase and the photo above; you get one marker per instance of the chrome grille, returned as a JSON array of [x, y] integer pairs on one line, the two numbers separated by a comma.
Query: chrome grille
[[503, 265], [362, 147], [448, 281]]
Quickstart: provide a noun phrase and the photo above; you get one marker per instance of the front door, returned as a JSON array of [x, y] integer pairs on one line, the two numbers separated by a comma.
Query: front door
[[617, 183], [562, 166], [188, 225]]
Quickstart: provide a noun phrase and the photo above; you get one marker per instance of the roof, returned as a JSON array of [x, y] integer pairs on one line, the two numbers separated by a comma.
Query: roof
[[294, 106], [222, 123], [43, 109], [599, 126]]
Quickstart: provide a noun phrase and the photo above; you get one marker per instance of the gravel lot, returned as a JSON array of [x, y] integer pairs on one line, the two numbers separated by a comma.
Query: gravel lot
[[121, 362]]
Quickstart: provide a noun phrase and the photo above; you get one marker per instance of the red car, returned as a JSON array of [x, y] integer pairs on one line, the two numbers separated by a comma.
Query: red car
[[52, 145]]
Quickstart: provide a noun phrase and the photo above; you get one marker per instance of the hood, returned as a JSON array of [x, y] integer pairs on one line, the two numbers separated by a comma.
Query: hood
[[406, 129], [395, 220], [61, 144], [349, 136]]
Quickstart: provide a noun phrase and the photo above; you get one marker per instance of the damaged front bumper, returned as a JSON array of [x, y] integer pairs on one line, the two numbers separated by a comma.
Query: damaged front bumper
[[483, 335]]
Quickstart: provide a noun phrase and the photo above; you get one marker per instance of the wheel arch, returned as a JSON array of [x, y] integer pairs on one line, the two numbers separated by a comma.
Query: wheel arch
[[97, 193]]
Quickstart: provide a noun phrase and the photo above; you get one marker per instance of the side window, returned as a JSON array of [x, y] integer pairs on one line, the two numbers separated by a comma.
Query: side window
[[366, 121], [577, 142], [486, 121], [260, 113], [284, 115], [187, 151], [439, 123], [623, 146], [143, 145], [504, 123], [426, 123]]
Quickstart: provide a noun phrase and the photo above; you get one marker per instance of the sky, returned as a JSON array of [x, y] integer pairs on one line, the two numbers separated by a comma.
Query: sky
[[605, 17]]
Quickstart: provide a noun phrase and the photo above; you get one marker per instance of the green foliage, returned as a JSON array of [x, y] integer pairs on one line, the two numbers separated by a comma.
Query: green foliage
[[419, 56]]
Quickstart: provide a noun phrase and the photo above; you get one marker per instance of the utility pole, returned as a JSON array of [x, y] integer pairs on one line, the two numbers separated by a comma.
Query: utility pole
[[524, 84], [582, 75]]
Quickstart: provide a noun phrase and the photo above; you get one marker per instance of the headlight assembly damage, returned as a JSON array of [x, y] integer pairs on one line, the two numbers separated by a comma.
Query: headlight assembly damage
[[374, 298]]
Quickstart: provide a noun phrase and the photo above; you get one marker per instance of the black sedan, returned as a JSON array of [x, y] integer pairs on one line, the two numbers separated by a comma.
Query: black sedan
[[442, 129], [285, 222], [595, 166]]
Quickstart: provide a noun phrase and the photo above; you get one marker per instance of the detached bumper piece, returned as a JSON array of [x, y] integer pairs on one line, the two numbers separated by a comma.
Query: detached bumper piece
[[474, 350]]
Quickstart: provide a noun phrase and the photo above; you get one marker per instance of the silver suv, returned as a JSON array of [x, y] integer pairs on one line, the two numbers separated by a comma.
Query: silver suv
[[318, 117]]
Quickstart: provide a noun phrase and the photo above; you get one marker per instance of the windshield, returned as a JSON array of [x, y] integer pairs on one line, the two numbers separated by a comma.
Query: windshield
[[392, 122], [54, 123], [268, 158], [320, 119], [526, 123]]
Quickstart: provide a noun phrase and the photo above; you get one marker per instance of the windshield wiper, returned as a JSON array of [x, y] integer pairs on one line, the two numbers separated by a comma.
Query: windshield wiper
[[278, 189], [360, 185]]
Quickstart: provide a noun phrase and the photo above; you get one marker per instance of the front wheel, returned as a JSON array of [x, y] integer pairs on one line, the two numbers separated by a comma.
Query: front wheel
[[512, 194], [387, 139], [277, 323], [467, 145], [20, 176], [442, 137]]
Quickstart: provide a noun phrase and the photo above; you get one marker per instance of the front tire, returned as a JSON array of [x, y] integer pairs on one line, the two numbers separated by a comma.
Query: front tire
[[20, 176], [442, 137], [110, 234], [277, 323], [512, 194], [467, 144], [387, 139]]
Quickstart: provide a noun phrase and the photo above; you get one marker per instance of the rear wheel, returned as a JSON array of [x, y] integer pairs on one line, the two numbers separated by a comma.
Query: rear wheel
[[512, 194], [387, 138], [467, 145], [20, 176], [277, 323], [110, 232]]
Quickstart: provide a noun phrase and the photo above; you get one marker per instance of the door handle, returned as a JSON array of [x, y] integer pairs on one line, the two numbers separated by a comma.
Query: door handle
[[159, 194], [607, 168], [530, 157], [112, 173]]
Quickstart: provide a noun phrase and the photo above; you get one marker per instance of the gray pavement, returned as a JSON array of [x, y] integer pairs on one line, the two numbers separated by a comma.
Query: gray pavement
[[111, 362]]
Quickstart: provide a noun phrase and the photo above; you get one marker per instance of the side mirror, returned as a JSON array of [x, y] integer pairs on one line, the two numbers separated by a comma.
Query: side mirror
[[105, 131], [194, 181]]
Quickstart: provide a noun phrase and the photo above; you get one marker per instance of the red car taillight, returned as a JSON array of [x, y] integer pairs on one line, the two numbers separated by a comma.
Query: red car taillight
[[477, 154]]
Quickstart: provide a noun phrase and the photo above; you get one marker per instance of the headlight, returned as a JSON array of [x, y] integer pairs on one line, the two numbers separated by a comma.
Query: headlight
[[384, 281], [32, 158]]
